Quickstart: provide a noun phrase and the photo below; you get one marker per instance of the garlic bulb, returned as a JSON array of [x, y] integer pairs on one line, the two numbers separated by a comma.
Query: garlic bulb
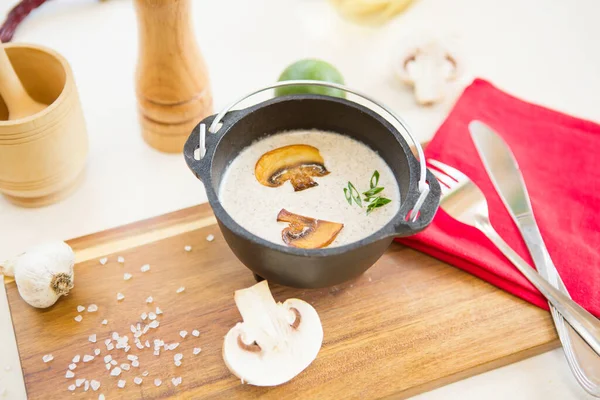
[[43, 273]]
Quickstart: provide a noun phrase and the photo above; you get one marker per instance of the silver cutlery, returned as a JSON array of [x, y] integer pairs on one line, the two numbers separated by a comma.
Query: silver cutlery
[[455, 184], [503, 170]]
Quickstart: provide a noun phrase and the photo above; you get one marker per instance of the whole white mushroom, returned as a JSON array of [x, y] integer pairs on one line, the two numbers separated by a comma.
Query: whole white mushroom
[[43, 273]]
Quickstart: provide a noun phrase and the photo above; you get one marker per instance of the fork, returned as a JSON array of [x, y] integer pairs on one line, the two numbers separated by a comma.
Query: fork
[[454, 185]]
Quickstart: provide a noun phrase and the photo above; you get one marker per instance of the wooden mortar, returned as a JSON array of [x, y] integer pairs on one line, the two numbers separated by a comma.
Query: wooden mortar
[[42, 156], [172, 86]]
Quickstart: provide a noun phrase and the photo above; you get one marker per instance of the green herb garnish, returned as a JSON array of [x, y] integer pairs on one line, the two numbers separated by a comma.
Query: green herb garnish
[[375, 177], [354, 195], [372, 192], [376, 203], [348, 196], [371, 196]]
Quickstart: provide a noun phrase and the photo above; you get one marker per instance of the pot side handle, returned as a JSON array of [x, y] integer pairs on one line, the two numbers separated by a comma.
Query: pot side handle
[[406, 226], [191, 148]]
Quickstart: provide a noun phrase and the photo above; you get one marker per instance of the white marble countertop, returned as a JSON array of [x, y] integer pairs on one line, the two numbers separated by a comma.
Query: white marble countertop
[[541, 50]]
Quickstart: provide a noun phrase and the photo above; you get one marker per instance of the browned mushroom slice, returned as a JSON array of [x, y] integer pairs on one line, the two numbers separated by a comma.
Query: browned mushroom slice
[[307, 233], [296, 163]]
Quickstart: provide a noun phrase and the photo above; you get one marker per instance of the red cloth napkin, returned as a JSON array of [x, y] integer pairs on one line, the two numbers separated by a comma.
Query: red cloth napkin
[[558, 157]]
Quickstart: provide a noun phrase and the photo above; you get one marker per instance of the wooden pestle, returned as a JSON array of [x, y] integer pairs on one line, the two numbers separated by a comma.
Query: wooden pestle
[[18, 102], [172, 85]]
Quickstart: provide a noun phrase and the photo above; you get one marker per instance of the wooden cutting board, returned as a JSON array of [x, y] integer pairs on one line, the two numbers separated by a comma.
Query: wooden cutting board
[[408, 325]]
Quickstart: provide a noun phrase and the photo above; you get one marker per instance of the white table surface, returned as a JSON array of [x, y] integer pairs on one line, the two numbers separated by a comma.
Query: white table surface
[[544, 51]]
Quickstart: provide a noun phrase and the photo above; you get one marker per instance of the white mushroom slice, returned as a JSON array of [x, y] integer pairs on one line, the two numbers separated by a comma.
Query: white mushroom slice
[[275, 342], [427, 67]]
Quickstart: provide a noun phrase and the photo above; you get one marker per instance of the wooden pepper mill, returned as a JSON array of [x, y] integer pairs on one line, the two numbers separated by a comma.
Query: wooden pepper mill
[[173, 89]]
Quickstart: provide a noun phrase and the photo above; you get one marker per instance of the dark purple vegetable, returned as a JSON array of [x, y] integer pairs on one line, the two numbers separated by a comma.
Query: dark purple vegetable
[[16, 16]]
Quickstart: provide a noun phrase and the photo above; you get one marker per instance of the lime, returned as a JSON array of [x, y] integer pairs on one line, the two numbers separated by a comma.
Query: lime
[[311, 69]]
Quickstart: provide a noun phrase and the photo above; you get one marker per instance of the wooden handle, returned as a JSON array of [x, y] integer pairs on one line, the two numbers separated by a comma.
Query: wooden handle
[[18, 102], [173, 88]]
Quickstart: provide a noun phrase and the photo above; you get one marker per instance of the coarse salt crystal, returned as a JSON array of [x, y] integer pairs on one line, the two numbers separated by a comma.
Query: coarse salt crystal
[[113, 362], [188, 248], [107, 341], [121, 383], [181, 289], [137, 380], [47, 358], [86, 385], [101, 397], [196, 332], [145, 373], [104, 321], [173, 346], [92, 338], [78, 318], [92, 308], [115, 372], [131, 357], [210, 237], [76, 358], [127, 348], [145, 268], [139, 345], [135, 363], [196, 350], [183, 334], [132, 329], [127, 276], [107, 358], [125, 367], [147, 343], [97, 352], [120, 296], [72, 366], [80, 308], [144, 316], [178, 363], [178, 357], [110, 346], [95, 385], [69, 374], [154, 324], [157, 382], [79, 382], [71, 387], [115, 336], [156, 352], [87, 358], [158, 311], [176, 381], [120, 259], [149, 299], [108, 366], [146, 329], [152, 316], [103, 260]]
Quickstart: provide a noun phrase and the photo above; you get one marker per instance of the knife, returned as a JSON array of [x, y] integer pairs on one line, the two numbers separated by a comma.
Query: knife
[[504, 172]]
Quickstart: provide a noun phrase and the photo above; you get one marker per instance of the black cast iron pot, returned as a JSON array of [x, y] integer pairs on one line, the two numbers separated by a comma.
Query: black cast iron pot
[[320, 267]]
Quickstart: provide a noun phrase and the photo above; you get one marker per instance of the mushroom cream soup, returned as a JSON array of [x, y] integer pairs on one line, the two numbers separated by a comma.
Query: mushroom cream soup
[[301, 178]]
